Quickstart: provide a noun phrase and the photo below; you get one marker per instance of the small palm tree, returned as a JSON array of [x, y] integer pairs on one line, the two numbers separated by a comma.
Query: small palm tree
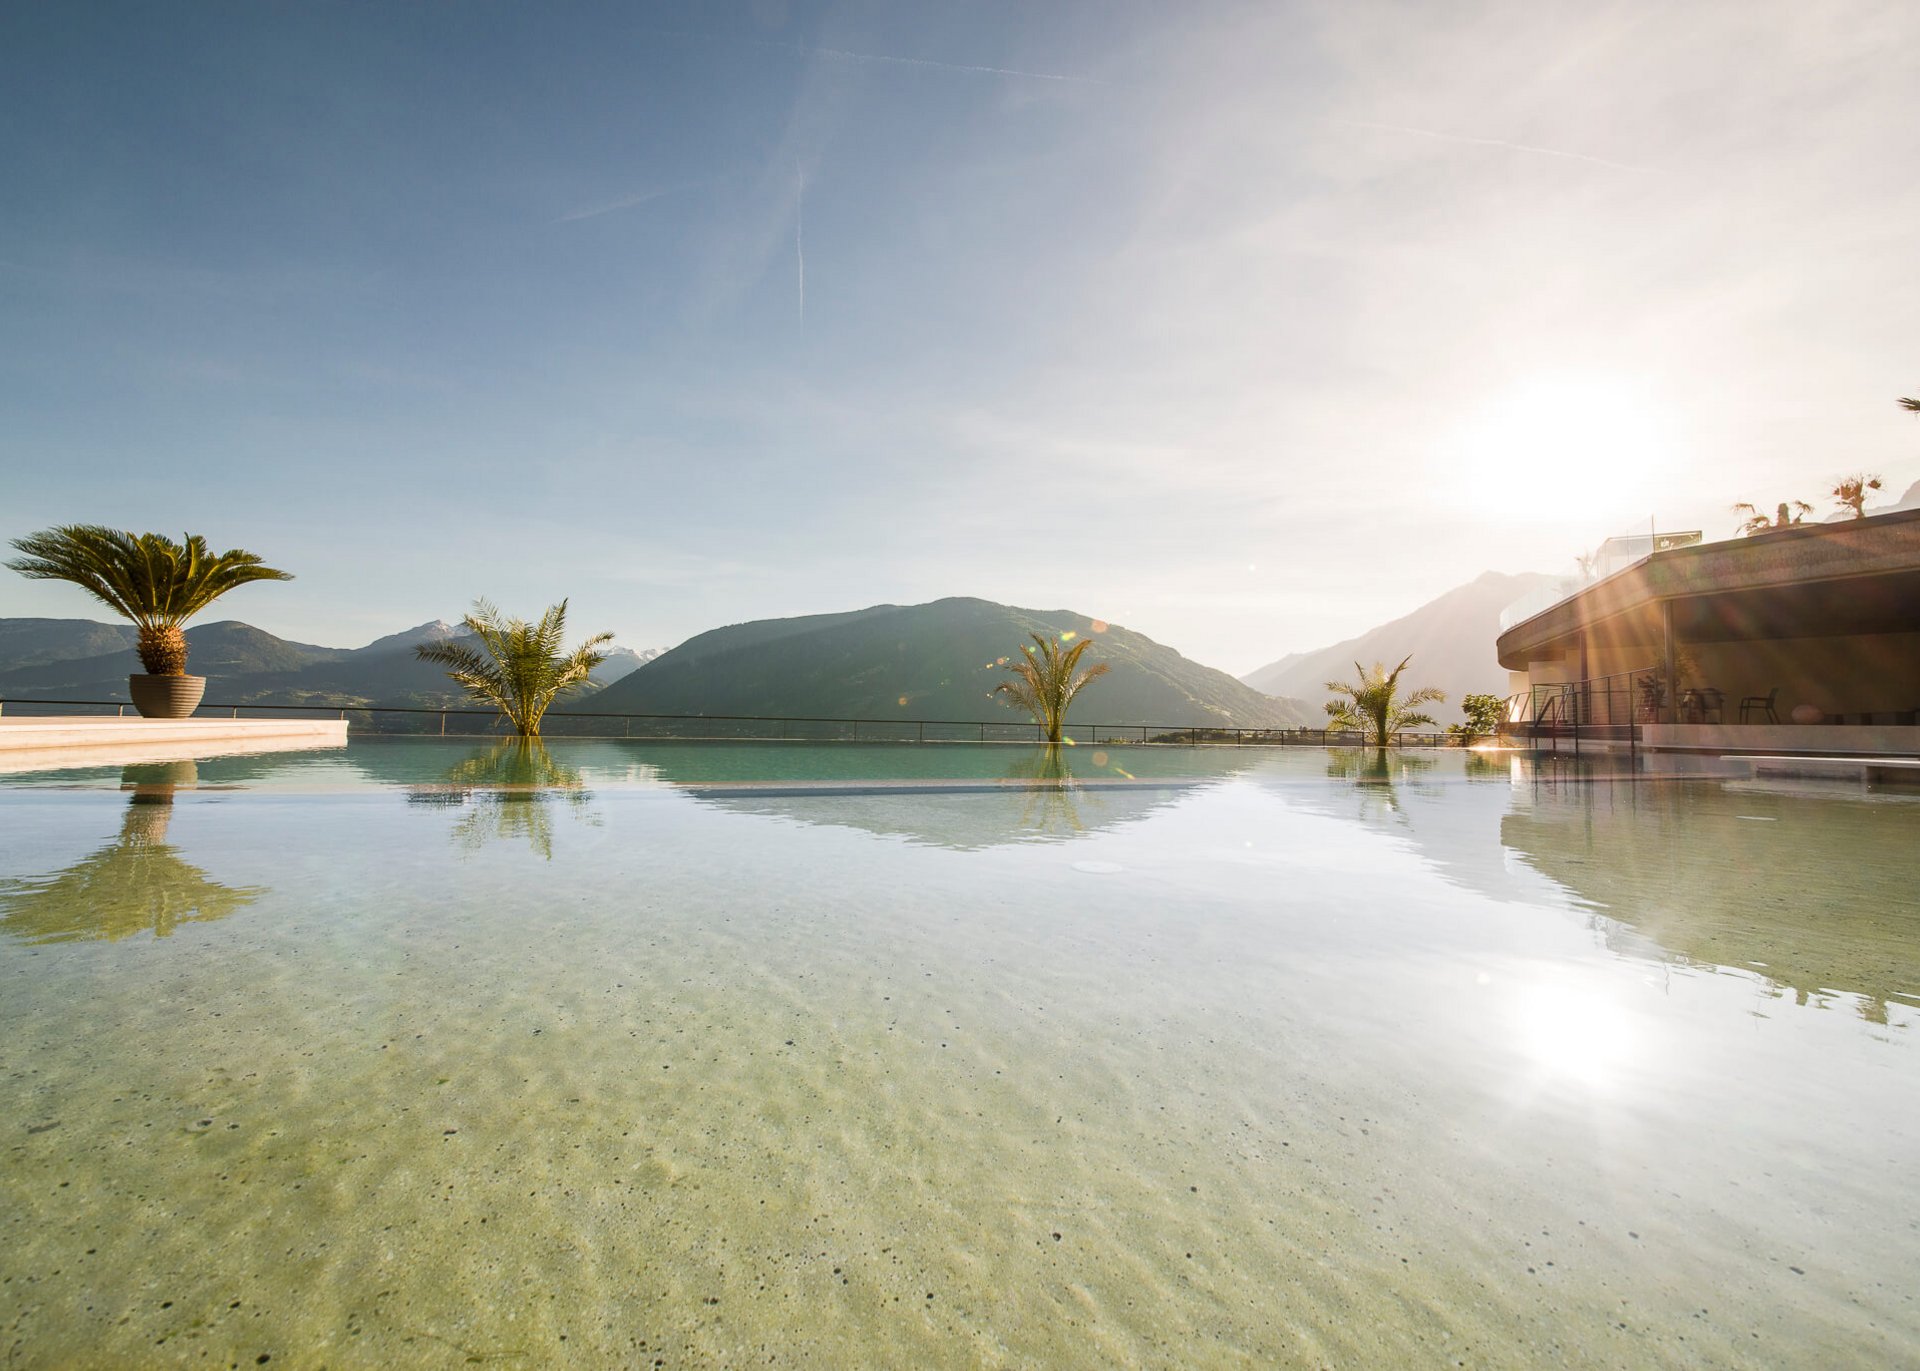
[[1850, 492], [1910, 402], [157, 583], [522, 670], [1045, 682], [1786, 515], [1372, 704]]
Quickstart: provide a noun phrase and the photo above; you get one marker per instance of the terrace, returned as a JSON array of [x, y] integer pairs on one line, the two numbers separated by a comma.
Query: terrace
[[1804, 639]]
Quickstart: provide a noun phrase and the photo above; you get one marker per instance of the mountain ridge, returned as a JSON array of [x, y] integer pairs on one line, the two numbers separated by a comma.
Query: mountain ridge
[[937, 660], [1450, 639], [81, 659]]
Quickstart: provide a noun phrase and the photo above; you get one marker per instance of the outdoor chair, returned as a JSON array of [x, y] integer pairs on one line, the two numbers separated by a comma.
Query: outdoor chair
[[1760, 704], [1702, 705]]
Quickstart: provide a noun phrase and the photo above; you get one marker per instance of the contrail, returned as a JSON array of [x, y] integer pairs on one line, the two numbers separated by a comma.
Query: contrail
[[799, 247], [1489, 143]]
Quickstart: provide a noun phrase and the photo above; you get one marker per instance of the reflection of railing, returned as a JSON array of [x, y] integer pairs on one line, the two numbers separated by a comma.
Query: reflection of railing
[[455, 721]]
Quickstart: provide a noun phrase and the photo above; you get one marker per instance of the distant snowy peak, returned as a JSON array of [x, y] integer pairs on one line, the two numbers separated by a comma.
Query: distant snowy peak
[[436, 631], [624, 661]]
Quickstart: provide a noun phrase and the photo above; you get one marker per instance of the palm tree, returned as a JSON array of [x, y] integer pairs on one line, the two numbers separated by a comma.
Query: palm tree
[[1789, 513], [1372, 703], [1850, 492], [522, 670], [1910, 402], [1045, 683], [157, 583]]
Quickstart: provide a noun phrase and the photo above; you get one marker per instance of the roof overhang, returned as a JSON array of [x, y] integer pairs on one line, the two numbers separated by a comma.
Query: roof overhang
[[1812, 580]]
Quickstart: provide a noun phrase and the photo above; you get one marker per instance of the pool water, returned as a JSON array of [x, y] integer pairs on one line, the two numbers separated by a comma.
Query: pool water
[[677, 1055]]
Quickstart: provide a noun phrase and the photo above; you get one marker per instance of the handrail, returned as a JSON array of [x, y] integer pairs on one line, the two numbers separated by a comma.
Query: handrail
[[1192, 734], [1601, 705]]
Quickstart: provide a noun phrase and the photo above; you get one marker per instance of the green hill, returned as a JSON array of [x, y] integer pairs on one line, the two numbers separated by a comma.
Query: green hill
[[228, 650], [931, 661], [34, 642], [79, 659]]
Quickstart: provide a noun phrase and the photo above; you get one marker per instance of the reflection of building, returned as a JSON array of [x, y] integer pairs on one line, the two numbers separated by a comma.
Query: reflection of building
[[1810, 902], [1798, 639]]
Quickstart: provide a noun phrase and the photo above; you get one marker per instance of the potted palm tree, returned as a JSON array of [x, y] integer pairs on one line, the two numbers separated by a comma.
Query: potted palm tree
[[155, 582]]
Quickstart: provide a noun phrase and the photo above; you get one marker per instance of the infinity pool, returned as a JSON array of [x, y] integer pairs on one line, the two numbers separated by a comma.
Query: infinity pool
[[433, 1054]]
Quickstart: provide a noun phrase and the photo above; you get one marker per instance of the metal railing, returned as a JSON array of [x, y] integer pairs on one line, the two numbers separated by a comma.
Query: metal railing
[[455, 721], [1601, 708]]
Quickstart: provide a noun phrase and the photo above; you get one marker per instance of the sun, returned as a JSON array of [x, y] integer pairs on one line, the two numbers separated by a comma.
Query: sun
[[1553, 448]]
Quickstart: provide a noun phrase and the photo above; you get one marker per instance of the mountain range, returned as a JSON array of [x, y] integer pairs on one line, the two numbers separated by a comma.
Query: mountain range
[[1451, 640], [933, 661], [78, 659]]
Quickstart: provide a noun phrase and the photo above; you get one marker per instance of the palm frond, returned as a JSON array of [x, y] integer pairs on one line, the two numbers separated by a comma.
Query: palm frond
[[519, 668], [147, 578], [1045, 681], [1372, 704]]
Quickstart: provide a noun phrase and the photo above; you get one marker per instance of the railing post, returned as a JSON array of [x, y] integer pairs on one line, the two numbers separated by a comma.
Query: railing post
[[983, 733], [443, 723], [920, 732]]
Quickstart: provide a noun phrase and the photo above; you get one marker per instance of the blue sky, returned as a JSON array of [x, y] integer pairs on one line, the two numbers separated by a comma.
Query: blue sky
[[1247, 326]]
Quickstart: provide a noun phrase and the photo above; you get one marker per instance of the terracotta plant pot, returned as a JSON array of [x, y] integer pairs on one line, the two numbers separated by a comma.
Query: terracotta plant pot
[[166, 697]]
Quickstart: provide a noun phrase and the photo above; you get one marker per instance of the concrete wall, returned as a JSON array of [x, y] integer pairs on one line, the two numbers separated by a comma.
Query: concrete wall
[[1884, 740]]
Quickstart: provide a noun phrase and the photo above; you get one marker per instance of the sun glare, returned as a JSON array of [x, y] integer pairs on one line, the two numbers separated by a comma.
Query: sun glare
[[1554, 447], [1575, 1034]]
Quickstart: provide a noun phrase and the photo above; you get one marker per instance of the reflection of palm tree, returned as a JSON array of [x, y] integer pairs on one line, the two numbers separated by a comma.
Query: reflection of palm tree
[[1049, 804], [136, 884], [510, 788], [1374, 774]]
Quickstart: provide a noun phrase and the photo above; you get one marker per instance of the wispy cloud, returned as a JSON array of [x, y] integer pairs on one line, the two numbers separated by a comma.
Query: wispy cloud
[[629, 201], [1441, 135], [842, 54], [889, 59]]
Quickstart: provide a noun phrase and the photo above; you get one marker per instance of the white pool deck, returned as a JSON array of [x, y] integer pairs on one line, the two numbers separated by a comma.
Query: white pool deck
[[50, 742]]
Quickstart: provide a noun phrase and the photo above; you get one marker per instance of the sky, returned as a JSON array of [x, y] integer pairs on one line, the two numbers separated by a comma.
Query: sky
[[1247, 326]]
